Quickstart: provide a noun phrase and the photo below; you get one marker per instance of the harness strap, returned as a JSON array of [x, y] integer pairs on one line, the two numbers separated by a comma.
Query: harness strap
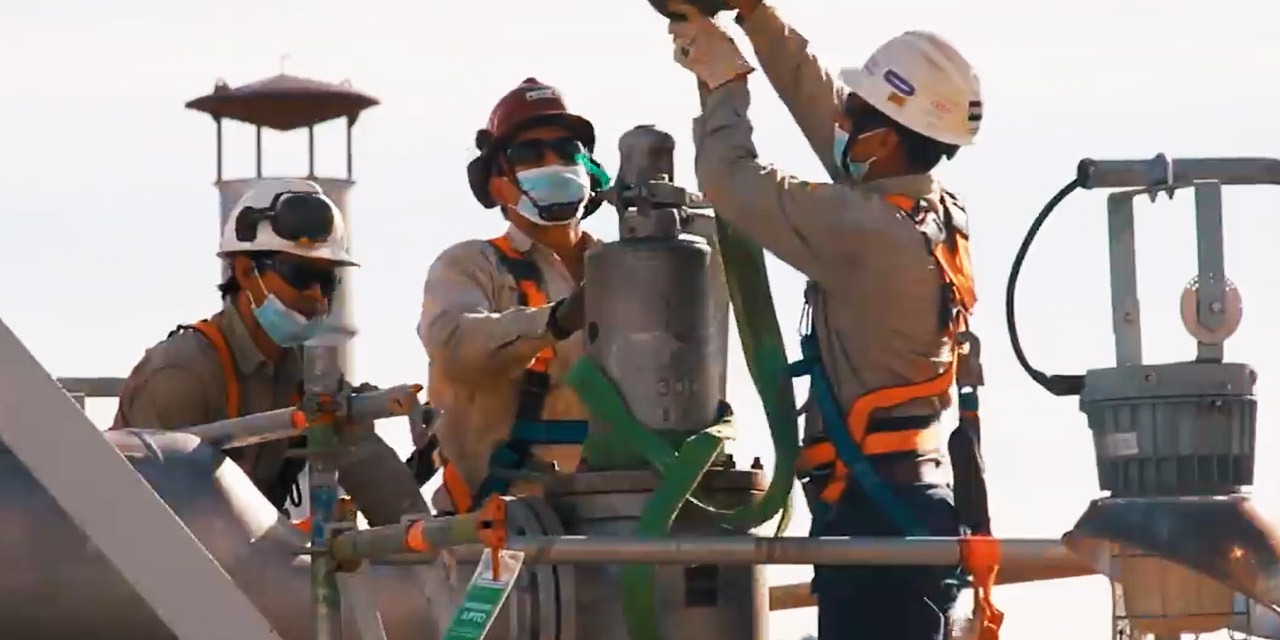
[[529, 428], [528, 277], [846, 450], [845, 454], [213, 334], [287, 479]]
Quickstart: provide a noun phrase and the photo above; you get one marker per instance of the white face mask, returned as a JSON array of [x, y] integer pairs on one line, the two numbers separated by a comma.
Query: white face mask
[[553, 195]]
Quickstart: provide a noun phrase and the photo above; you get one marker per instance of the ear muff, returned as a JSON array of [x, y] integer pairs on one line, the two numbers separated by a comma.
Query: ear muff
[[479, 171]]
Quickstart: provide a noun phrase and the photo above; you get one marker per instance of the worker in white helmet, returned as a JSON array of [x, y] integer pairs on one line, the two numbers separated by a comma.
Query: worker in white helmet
[[285, 241], [501, 318], [886, 251]]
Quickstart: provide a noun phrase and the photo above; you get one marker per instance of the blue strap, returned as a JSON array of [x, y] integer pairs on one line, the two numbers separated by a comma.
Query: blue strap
[[514, 454], [848, 451], [530, 432]]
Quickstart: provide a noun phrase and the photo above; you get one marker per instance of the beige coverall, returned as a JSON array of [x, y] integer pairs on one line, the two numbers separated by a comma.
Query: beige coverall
[[179, 383], [479, 343], [874, 285]]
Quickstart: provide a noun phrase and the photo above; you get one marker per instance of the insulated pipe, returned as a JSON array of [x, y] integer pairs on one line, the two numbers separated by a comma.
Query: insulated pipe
[[363, 409], [422, 538], [751, 550]]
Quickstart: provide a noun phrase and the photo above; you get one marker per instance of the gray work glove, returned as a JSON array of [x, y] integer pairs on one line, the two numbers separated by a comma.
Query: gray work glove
[[569, 315]]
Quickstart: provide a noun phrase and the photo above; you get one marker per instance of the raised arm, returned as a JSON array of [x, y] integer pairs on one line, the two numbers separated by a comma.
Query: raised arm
[[816, 228], [459, 328], [813, 95]]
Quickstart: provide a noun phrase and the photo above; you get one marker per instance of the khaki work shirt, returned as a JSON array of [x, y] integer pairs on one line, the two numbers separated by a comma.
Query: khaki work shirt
[[479, 342], [180, 383], [874, 285]]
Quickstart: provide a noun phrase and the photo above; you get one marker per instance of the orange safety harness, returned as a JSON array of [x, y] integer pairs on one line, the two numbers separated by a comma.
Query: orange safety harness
[[529, 428], [951, 250], [845, 452], [287, 482]]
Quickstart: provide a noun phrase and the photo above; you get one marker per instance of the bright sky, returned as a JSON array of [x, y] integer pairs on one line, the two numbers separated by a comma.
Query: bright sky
[[113, 222]]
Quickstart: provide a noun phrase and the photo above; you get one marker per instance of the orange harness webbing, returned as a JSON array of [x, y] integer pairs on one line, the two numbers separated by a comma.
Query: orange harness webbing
[[531, 294], [213, 334], [952, 256], [980, 555]]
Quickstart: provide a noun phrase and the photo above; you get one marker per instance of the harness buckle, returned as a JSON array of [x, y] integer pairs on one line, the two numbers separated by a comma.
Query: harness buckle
[[968, 360]]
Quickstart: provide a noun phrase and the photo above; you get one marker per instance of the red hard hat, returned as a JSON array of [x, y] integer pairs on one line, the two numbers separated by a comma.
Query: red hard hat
[[531, 104]]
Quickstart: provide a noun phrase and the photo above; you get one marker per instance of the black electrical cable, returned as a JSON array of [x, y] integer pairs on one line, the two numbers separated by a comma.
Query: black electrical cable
[[1058, 385]]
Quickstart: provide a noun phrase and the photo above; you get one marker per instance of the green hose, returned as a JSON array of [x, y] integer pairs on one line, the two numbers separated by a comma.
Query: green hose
[[680, 472]]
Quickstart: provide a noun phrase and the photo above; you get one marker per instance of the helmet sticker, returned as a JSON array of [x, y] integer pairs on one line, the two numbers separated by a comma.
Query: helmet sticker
[[541, 93], [899, 83]]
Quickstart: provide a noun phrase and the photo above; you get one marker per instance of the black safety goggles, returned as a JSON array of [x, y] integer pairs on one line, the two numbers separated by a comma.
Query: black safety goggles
[[531, 151], [302, 275], [296, 216]]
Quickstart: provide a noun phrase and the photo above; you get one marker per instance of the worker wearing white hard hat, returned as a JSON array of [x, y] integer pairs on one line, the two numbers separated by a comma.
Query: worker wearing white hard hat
[[285, 241], [885, 249]]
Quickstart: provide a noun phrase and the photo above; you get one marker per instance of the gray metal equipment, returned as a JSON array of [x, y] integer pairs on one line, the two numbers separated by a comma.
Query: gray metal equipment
[[651, 315], [1174, 442], [91, 551], [657, 323]]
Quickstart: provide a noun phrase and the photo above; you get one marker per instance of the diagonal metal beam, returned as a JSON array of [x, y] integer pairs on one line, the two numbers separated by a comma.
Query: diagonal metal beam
[[115, 507]]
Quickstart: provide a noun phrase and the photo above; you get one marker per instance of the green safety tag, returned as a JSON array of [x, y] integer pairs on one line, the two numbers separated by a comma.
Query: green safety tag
[[484, 596]]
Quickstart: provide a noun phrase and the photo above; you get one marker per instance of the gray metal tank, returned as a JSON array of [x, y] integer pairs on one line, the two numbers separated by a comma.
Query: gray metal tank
[[650, 313], [57, 586], [694, 603]]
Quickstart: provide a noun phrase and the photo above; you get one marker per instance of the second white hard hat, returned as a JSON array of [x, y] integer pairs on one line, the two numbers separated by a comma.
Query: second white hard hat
[[287, 215], [922, 82]]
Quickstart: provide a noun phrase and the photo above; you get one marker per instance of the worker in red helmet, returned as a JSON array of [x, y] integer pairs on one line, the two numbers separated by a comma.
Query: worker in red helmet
[[501, 318]]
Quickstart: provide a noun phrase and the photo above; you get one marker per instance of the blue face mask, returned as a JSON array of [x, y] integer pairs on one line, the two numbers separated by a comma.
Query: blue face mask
[[553, 195], [856, 171], [283, 325]]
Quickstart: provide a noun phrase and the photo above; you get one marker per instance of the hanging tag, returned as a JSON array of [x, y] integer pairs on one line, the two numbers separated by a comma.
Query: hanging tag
[[485, 594]]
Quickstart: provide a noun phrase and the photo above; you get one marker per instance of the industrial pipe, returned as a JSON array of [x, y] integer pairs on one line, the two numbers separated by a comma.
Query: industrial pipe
[[799, 595], [424, 538], [1160, 171], [751, 550], [362, 409]]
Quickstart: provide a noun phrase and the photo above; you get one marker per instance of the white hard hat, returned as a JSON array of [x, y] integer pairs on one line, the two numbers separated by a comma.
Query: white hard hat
[[924, 84], [287, 215]]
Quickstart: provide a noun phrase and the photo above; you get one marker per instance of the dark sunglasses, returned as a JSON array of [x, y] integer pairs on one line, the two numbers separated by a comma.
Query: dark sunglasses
[[531, 151], [301, 275], [295, 216]]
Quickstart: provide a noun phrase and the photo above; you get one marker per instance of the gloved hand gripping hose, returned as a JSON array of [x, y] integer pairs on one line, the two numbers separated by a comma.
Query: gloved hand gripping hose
[[752, 300]]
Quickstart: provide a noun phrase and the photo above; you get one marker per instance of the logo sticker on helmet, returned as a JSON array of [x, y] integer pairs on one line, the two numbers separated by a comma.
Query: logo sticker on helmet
[[900, 83], [541, 94], [975, 111]]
